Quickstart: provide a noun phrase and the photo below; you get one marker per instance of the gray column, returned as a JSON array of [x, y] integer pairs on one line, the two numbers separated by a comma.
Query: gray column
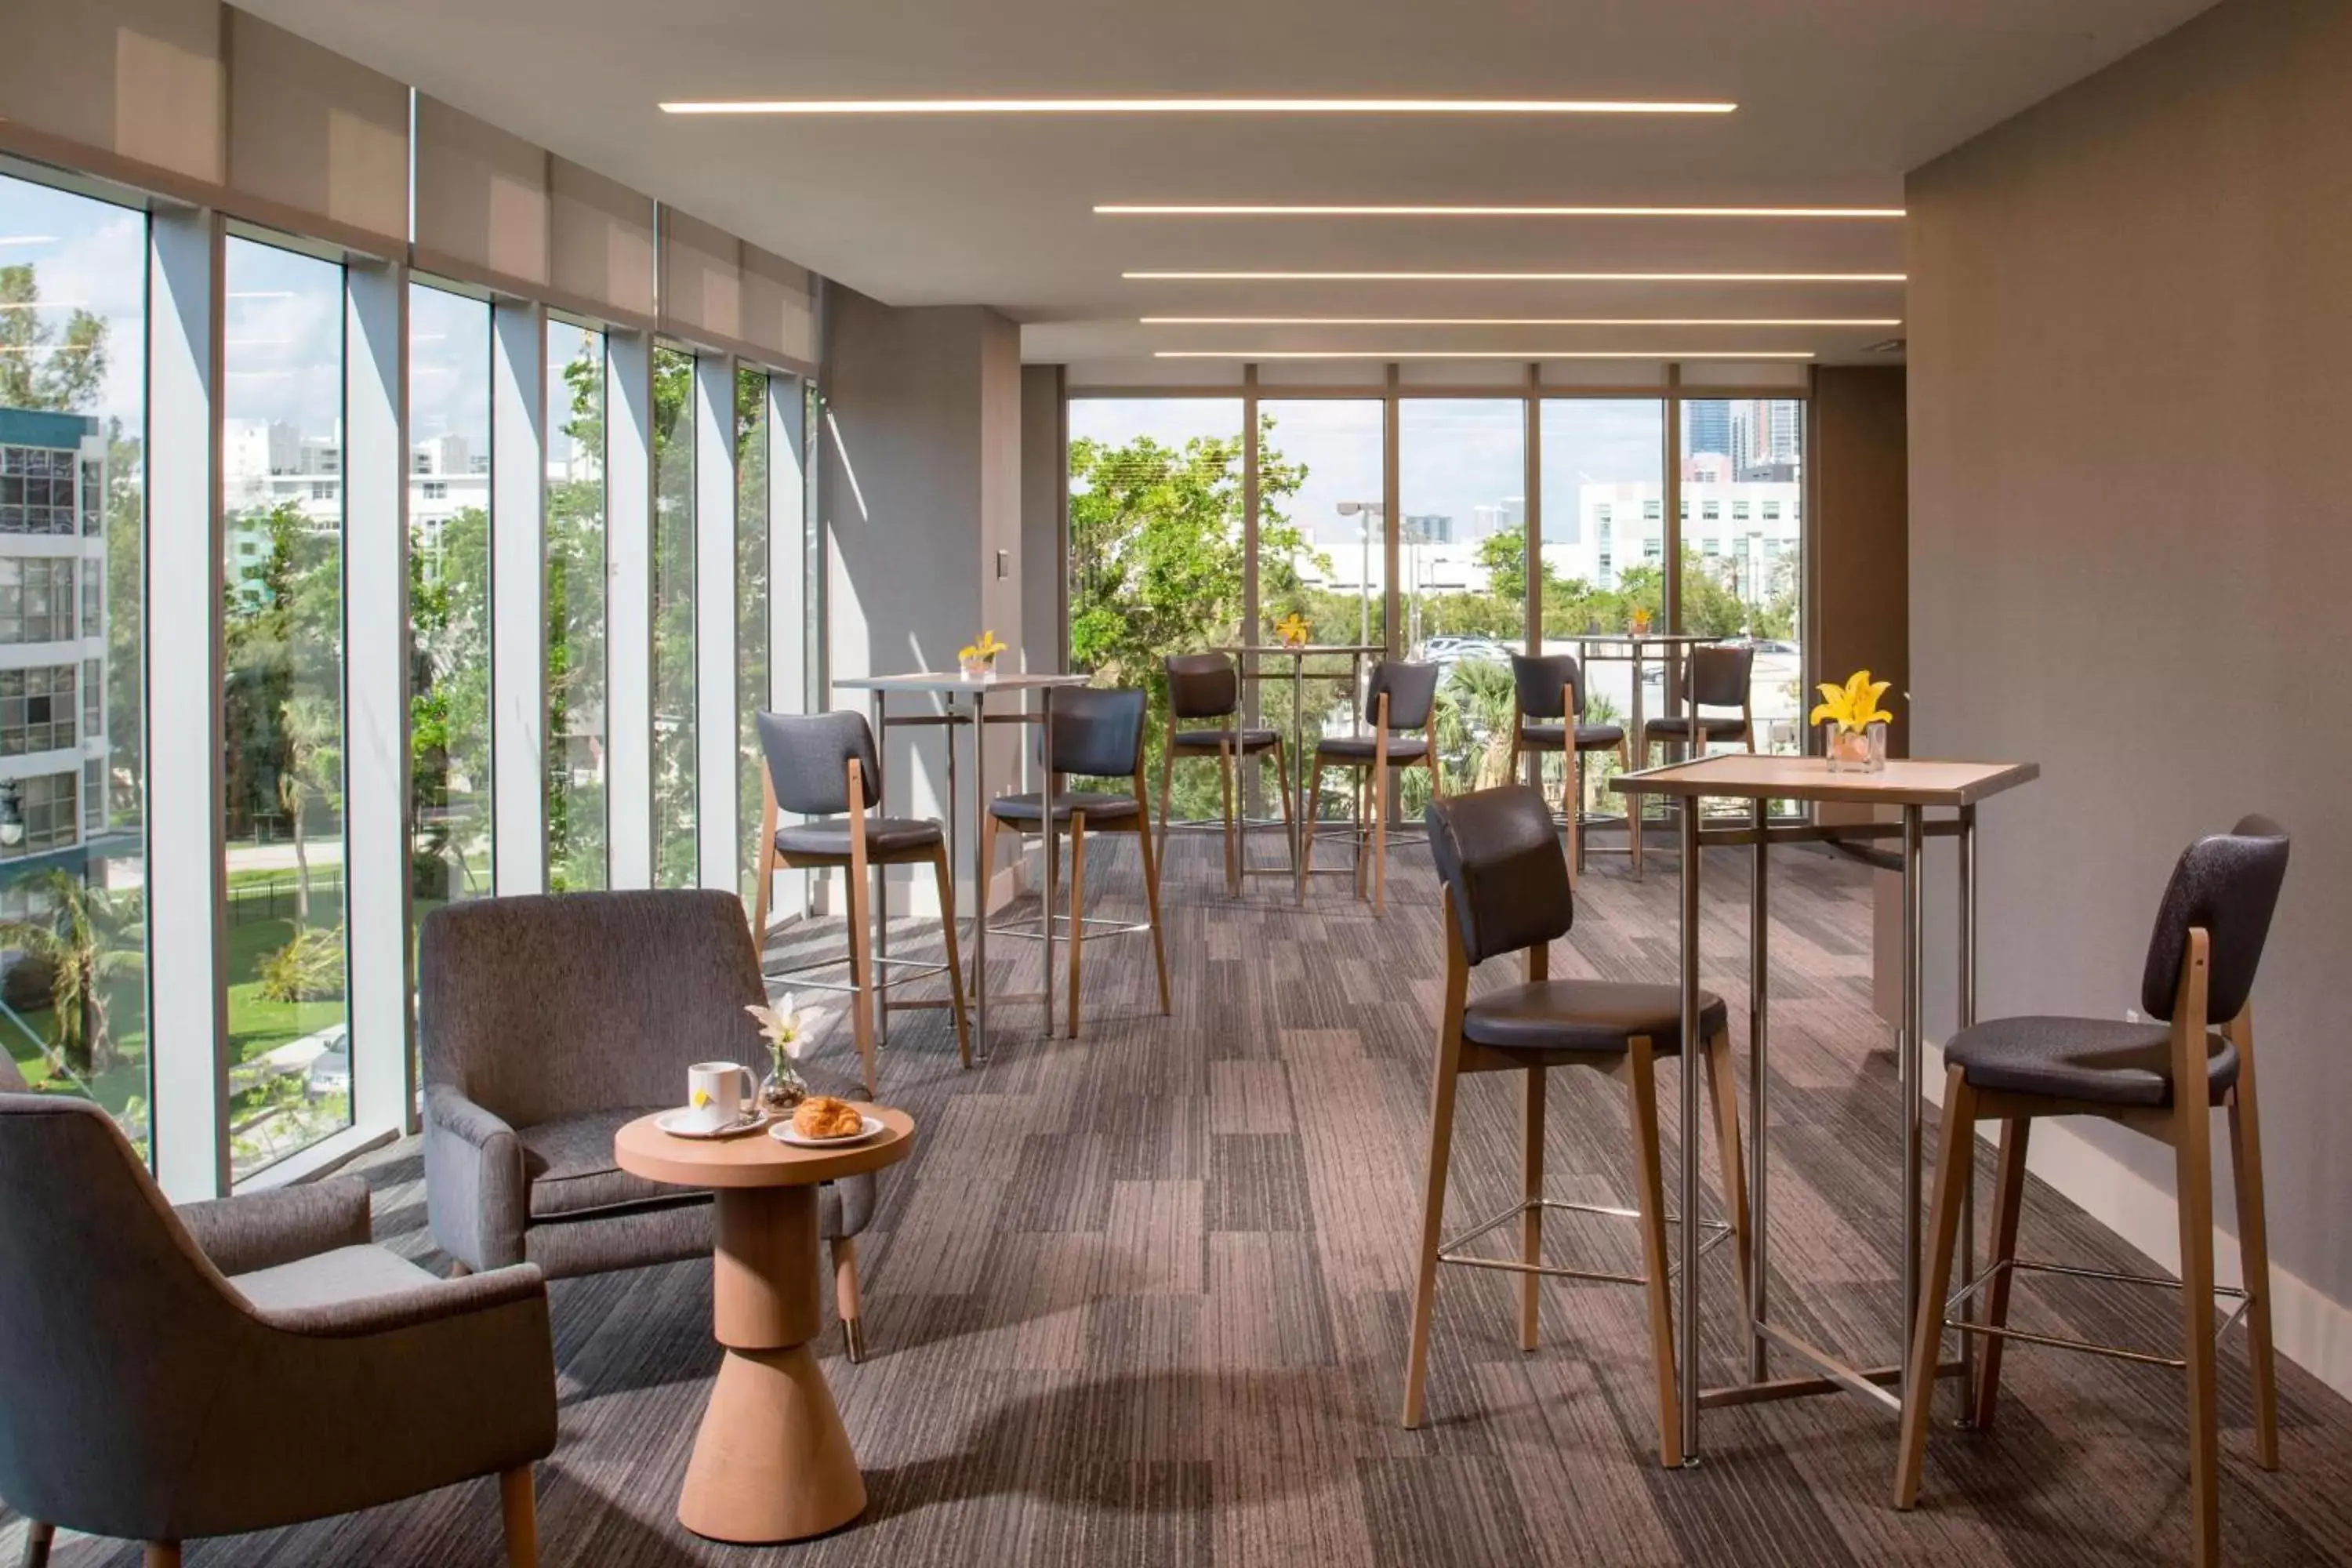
[[376, 763], [187, 974], [629, 605], [519, 595]]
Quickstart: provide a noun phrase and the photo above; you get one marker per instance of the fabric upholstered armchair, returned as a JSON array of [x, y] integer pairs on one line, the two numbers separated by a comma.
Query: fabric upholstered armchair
[[243, 1365], [550, 1021]]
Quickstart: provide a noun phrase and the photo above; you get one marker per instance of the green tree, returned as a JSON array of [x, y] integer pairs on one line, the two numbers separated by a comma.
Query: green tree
[[89, 941], [45, 364], [575, 633]]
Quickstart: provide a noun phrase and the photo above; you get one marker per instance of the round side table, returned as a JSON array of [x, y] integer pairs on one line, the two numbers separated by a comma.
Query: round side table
[[771, 1461]]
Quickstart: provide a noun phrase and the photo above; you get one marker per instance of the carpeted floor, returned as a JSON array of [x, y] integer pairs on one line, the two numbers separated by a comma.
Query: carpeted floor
[[1141, 1298]]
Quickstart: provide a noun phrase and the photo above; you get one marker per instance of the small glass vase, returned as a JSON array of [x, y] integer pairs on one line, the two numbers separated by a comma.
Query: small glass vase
[[979, 669], [1857, 753], [781, 1091]]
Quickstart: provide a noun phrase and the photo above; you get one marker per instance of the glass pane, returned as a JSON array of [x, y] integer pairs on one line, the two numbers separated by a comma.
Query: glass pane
[[73, 999], [752, 442], [1743, 547], [675, 863], [1603, 539], [575, 608], [1322, 556], [289, 1019], [448, 597], [1461, 573], [1155, 539]]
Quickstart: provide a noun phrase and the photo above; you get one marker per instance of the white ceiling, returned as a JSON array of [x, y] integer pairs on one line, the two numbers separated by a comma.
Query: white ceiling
[[1837, 99]]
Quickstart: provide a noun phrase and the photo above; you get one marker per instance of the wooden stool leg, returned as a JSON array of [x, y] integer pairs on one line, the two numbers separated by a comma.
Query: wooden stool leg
[[520, 1507], [1282, 788], [2255, 1254], [2193, 1173], [952, 942], [39, 1537], [1380, 787], [1722, 1080], [1360, 844], [1167, 768], [2007, 1203], [1225, 797], [166, 1554], [1955, 1168], [862, 1000], [1310, 793], [1531, 1169], [1432, 1223], [1649, 1188], [1151, 903], [845, 1297], [1077, 910]]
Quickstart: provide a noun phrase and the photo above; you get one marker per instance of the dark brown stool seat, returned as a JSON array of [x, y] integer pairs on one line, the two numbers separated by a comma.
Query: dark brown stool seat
[[1586, 1017], [2102, 1061], [886, 837], [1713, 726], [1554, 737], [1365, 748], [1244, 741], [1097, 807]]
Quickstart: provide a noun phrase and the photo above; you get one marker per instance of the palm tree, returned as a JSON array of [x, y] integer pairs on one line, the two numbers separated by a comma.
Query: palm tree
[[311, 735], [1481, 689], [91, 939]]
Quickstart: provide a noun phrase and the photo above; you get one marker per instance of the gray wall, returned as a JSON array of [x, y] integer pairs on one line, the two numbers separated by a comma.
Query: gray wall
[[1045, 488], [2129, 553], [921, 490]]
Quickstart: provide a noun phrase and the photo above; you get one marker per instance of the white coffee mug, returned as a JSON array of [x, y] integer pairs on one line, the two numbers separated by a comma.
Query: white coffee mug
[[716, 1093]]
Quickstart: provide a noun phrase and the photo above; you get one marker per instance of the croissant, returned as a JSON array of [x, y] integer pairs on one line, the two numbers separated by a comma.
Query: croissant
[[824, 1116]]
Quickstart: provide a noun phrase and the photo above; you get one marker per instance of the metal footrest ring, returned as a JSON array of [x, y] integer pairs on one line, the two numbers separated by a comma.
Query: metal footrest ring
[[1451, 1251]]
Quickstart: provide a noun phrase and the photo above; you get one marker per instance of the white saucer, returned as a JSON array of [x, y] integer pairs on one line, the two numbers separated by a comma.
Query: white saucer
[[676, 1124], [783, 1133]]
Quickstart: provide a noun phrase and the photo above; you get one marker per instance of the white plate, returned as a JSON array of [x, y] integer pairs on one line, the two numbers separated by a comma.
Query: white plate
[[784, 1133], [678, 1124]]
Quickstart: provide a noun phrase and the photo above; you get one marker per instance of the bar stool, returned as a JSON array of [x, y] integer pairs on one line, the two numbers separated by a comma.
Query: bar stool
[[2211, 928], [1720, 678], [1547, 687], [1506, 890], [1096, 733], [1401, 697], [1207, 685], [818, 765]]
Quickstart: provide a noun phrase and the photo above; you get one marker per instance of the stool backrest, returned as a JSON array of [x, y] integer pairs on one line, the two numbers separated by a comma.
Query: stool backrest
[[1203, 686], [1098, 731], [1719, 674], [1411, 689], [2227, 883], [808, 759], [1498, 854], [1541, 679]]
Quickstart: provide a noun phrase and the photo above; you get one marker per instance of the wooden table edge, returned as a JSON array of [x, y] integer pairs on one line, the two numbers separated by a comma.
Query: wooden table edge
[[1677, 779], [764, 1160]]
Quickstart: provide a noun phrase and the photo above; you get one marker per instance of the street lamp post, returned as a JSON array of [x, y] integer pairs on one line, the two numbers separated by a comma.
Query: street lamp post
[[1364, 511]]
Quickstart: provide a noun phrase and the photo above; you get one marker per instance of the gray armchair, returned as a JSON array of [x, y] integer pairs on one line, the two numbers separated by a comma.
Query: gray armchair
[[547, 1023], [243, 1365]]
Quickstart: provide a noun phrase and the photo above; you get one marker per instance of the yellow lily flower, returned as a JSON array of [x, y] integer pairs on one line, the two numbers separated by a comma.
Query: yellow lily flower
[[1292, 629], [1853, 707]]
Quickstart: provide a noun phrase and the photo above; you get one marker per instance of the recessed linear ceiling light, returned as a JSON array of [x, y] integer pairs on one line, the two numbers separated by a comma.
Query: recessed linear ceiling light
[[1130, 209], [1521, 320], [1519, 277], [1483, 354], [1188, 106]]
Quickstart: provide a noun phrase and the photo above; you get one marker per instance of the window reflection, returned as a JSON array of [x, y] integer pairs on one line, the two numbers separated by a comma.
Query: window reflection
[[576, 824], [676, 863]]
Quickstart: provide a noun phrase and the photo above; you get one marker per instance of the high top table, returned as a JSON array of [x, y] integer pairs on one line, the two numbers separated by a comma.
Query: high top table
[[1636, 647], [949, 686], [1915, 787], [1301, 758]]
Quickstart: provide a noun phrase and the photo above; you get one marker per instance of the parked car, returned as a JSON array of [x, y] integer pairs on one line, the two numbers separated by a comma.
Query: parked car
[[330, 1071]]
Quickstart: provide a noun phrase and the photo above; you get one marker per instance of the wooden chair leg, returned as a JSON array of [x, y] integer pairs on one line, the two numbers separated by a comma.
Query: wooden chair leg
[[1531, 1178], [2193, 1177], [2255, 1259], [2007, 1203], [845, 1297], [39, 1538], [1225, 788], [1310, 793], [1361, 840], [1649, 1188], [862, 1000], [166, 1554], [1380, 787], [1722, 1080], [1955, 1168], [1432, 1223], [1151, 908], [1166, 770], [1576, 816], [518, 1506], [1282, 788], [952, 942], [1077, 910]]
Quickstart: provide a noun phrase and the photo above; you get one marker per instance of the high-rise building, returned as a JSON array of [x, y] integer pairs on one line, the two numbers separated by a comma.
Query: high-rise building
[[1708, 423]]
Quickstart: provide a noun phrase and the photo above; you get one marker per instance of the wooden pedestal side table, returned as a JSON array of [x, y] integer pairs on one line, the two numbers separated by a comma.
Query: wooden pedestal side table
[[771, 1461]]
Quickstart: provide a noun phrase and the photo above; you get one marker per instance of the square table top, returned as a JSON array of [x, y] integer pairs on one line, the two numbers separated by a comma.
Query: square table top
[[953, 681], [1906, 780]]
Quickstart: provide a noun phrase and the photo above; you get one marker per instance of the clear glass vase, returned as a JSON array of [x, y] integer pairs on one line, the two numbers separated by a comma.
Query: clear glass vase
[[781, 1091], [1850, 752]]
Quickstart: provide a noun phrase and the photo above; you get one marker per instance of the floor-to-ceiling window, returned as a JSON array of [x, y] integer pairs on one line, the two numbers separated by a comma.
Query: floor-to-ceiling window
[[576, 825], [281, 465], [448, 597], [1601, 558], [1743, 546], [675, 816], [73, 1001], [1322, 553], [1461, 551], [754, 452]]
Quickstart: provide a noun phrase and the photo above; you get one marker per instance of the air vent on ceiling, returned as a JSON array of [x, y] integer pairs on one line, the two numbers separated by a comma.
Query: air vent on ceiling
[[1888, 346]]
